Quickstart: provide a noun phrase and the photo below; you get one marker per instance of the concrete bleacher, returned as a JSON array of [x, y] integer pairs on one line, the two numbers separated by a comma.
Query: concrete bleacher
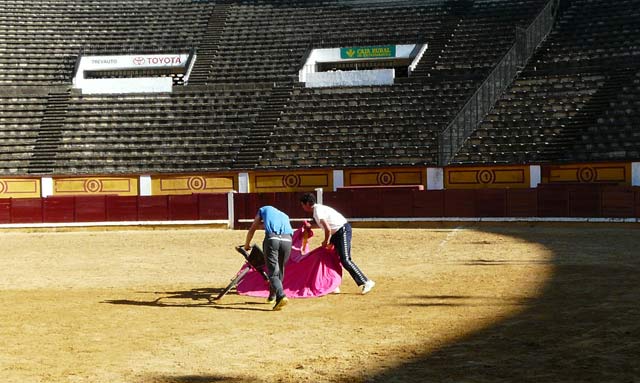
[[476, 34], [41, 40], [615, 133], [576, 100], [193, 128], [593, 33], [265, 42], [364, 126], [21, 113], [190, 129], [532, 121]]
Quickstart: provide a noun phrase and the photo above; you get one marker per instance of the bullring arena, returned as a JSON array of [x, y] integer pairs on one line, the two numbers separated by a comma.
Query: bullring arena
[[487, 153], [454, 302]]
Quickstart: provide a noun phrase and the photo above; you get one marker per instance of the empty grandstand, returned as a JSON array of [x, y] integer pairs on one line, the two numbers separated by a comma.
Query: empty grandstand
[[465, 94]]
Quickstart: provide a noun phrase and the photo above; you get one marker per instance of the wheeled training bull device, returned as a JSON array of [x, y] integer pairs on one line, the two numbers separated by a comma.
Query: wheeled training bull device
[[253, 260]]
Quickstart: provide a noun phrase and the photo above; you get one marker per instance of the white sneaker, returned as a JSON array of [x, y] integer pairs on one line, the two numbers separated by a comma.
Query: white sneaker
[[336, 291], [368, 285]]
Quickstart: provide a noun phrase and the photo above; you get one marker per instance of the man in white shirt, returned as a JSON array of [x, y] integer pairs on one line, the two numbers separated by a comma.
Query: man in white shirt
[[337, 231]]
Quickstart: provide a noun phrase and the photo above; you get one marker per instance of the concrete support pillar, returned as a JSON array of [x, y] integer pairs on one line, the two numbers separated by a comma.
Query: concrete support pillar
[[435, 178], [535, 176], [319, 195], [230, 210], [338, 179], [145, 185], [243, 183], [46, 187], [635, 174]]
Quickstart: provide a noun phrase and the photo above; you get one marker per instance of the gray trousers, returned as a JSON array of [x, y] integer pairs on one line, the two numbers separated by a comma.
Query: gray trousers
[[277, 249]]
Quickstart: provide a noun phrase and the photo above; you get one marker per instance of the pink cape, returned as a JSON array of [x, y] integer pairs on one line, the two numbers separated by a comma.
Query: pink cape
[[307, 273]]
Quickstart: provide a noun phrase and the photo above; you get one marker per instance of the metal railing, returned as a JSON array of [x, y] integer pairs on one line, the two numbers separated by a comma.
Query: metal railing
[[483, 100]]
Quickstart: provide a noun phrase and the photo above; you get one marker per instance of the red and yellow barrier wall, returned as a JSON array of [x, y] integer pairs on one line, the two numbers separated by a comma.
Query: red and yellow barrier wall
[[567, 190], [455, 177]]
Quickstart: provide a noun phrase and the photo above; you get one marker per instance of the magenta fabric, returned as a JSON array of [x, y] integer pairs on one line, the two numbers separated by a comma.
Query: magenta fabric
[[307, 273]]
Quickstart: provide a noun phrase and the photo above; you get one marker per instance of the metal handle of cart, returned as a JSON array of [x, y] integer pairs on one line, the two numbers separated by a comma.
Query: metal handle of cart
[[255, 260]]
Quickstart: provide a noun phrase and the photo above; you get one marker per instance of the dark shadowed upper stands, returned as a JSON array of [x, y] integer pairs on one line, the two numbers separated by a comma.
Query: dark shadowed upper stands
[[476, 34], [577, 99]]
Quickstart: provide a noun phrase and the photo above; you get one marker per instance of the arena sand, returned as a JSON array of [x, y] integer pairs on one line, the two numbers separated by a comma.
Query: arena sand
[[510, 303]]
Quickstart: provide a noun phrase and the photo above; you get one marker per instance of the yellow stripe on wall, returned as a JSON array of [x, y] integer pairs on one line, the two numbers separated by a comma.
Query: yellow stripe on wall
[[123, 186], [487, 177], [290, 181], [19, 187], [616, 173], [382, 177], [192, 184]]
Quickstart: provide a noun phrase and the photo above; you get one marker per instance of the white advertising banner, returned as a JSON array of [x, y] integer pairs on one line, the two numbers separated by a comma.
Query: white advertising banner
[[127, 62], [132, 62]]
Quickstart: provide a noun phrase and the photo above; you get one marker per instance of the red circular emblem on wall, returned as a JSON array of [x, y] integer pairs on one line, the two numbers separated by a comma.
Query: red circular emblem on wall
[[138, 60]]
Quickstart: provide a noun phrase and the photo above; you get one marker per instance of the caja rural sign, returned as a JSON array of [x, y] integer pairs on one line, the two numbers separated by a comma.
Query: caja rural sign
[[367, 52]]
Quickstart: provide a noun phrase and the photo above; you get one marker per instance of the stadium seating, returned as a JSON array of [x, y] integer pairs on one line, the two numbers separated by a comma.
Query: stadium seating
[[593, 33], [357, 126], [192, 128], [265, 42], [242, 107], [483, 33], [21, 112], [576, 100], [41, 40]]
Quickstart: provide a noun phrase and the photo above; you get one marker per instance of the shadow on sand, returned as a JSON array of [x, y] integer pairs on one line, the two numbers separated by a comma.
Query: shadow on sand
[[584, 327], [193, 379], [192, 298]]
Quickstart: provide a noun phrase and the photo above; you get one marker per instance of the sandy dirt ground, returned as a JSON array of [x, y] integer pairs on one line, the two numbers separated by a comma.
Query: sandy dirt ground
[[510, 303]]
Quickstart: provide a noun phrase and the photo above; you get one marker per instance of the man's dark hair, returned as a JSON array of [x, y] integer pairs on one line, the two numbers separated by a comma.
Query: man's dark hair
[[308, 198]]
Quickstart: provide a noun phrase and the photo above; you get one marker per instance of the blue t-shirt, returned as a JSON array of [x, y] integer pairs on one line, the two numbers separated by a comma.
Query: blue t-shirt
[[275, 221]]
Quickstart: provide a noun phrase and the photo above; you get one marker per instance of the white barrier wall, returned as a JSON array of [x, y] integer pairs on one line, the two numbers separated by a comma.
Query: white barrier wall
[[243, 182], [338, 179], [350, 78], [127, 85], [535, 175], [435, 179], [46, 189], [145, 185]]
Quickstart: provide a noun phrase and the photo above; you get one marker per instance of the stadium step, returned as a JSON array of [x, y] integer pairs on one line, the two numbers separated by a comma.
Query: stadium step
[[457, 11], [50, 133], [208, 49], [253, 150]]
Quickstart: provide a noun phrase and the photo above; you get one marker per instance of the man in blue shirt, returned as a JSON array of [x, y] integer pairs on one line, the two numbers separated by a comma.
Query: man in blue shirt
[[277, 248]]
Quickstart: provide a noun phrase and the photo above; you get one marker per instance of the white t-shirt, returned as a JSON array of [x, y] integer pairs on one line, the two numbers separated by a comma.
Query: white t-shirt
[[333, 218]]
